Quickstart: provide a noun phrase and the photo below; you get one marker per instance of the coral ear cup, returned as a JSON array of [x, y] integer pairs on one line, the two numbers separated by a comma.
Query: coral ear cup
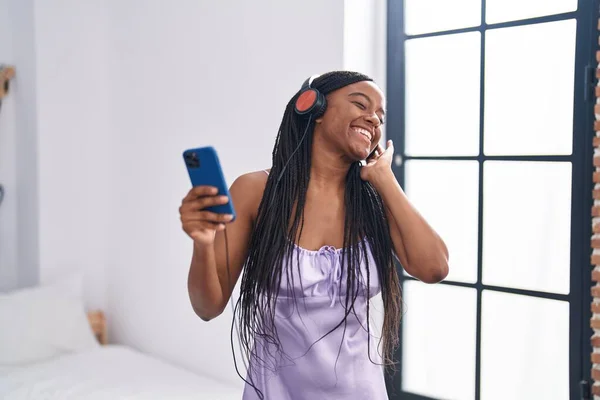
[[311, 101], [306, 101]]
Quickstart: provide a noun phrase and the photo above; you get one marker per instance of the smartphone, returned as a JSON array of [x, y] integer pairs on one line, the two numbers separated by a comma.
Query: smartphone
[[372, 153], [204, 169]]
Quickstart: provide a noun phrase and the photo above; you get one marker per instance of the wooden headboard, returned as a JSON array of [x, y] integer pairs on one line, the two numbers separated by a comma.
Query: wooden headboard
[[98, 324]]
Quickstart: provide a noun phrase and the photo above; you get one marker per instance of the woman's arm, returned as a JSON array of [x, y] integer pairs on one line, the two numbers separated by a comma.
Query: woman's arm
[[210, 284], [421, 251]]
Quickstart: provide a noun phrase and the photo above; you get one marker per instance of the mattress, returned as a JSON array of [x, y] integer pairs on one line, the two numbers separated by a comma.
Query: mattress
[[109, 372]]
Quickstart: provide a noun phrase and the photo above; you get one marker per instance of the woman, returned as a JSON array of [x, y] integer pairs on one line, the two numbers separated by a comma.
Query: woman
[[315, 239]]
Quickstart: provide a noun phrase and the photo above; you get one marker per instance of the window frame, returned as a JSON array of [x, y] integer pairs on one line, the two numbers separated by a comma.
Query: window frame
[[579, 297]]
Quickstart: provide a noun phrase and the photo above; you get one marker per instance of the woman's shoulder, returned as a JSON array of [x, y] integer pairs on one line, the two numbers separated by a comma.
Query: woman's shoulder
[[247, 190], [251, 179]]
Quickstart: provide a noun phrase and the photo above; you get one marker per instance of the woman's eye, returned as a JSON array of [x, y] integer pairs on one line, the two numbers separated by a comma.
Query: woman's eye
[[360, 105]]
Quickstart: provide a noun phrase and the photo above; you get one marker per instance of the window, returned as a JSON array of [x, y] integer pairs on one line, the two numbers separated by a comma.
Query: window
[[490, 108]]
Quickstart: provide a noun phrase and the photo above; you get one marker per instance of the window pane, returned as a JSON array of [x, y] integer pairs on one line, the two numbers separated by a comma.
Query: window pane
[[512, 10], [529, 82], [446, 193], [439, 341], [524, 348], [442, 95], [423, 16], [527, 225]]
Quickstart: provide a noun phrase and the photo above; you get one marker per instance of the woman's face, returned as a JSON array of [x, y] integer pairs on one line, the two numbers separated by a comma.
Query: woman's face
[[353, 119]]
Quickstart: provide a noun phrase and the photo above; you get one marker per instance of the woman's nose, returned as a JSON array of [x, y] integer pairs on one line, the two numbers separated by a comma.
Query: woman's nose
[[373, 119]]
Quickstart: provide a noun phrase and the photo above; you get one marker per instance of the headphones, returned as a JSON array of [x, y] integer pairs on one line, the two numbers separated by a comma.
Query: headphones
[[310, 102]]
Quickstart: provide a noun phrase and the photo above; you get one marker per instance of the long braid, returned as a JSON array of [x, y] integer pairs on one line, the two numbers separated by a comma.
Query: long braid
[[272, 241]]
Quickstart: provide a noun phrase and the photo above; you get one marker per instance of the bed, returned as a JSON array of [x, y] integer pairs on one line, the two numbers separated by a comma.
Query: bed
[[52, 366]]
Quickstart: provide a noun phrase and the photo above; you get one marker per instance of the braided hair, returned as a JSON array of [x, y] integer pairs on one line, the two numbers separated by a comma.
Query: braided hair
[[279, 224]]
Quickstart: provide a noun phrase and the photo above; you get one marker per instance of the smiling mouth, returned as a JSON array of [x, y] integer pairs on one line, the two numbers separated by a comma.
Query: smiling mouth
[[363, 132]]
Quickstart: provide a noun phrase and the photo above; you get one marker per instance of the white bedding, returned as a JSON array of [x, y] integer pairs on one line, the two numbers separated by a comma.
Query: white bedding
[[109, 372]]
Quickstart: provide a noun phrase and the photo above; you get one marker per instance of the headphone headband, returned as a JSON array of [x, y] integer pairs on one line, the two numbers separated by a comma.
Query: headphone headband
[[308, 82]]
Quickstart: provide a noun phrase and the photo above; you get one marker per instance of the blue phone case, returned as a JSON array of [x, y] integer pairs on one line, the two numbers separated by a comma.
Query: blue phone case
[[204, 169]]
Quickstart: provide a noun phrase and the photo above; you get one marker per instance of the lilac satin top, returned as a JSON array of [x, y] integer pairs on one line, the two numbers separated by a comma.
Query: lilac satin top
[[337, 366]]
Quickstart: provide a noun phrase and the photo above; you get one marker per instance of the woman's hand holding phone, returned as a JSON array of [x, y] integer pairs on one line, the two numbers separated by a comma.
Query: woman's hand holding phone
[[202, 225]]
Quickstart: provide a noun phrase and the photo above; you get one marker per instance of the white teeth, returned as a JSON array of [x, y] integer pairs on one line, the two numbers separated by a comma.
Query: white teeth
[[363, 132]]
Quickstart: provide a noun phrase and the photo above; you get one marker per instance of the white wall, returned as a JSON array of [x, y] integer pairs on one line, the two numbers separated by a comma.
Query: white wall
[[75, 136], [176, 87], [19, 250], [365, 38], [8, 137], [110, 93]]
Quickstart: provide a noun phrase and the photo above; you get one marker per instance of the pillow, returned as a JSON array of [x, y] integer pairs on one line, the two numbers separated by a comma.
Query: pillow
[[41, 323]]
